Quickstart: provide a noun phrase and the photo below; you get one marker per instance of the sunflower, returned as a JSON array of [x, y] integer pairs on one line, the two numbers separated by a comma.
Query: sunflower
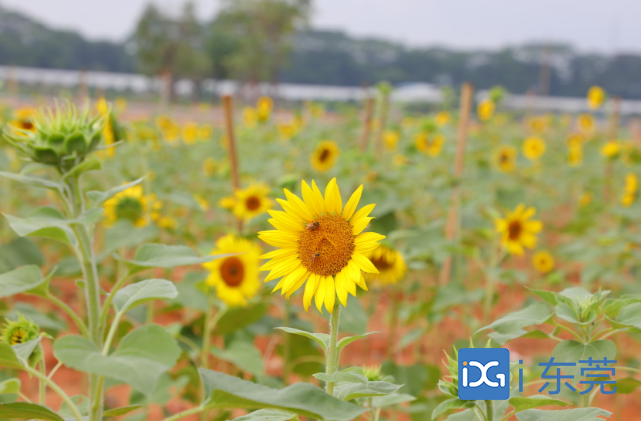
[[250, 117], [204, 132], [390, 264], [611, 149], [533, 148], [428, 144], [234, 277], [264, 107], [586, 123], [517, 230], [23, 120], [209, 166], [543, 261], [585, 199], [442, 118], [596, 96], [248, 203], [505, 158], [630, 189], [538, 124], [321, 243], [325, 155], [133, 206], [575, 154], [190, 133], [108, 132], [485, 109], [575, 139], [391, 138]]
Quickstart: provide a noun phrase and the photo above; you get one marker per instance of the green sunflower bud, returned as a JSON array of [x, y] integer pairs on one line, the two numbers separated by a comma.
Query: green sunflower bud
[[15, 332], [373, 373], [63, 136], [497, 93]]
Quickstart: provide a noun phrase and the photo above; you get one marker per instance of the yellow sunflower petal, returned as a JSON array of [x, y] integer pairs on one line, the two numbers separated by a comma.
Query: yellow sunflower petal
[[333, 201], [361, 225], [341, 290], [311, 200], [352, 203], [299, 205], [310, 290], [330, 293], [361, 283], [318, 197], [320, 293], [364, 263]]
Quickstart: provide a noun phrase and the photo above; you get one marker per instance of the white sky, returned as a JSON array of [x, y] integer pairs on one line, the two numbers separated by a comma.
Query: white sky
[[593, 25]]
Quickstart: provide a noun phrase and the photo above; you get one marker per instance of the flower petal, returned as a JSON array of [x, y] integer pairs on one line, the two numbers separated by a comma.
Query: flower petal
[[352, 203]]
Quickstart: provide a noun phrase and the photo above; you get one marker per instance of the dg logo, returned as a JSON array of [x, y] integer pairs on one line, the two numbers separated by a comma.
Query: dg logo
[[484, 374]]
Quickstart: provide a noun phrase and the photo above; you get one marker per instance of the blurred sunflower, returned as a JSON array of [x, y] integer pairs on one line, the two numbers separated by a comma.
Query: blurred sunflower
[[250, 117], [202, 203], [538, 124], [630, 189], [287, 130], [611, 149], [533, 148], [390, 264], [574, 139], [248, 203], [108, 134], [325, 155], [430, 145], [234, 277], [575, 155], [164, 122], [442, 118], [596, 96], [543, 261], [209, 166], [390, 139], [586, 123], [23, 120], [190, 133], [504, 158], [399, 160], [321, 243], [585, 198], [517, 230], [264, 107], [485, 109], [132, 205], [204, 132]]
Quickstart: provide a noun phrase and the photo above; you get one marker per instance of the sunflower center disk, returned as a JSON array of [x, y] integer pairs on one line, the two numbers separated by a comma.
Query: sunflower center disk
[[232, 271], [327, 248], [514, 230], [129, 208], [381, 263], [252, 203], [18, 336], [325, 153]]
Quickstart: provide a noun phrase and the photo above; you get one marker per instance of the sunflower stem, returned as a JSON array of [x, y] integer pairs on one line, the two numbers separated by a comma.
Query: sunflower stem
[[489, 409], [331, 356], [286, 341], [43, 370]]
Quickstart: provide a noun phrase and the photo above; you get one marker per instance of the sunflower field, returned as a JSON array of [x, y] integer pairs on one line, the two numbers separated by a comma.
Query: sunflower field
[[265, 261]]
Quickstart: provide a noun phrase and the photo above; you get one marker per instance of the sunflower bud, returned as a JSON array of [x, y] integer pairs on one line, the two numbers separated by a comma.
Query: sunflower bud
[[373, 373], [497, 93], [15, 332], [62, 136]]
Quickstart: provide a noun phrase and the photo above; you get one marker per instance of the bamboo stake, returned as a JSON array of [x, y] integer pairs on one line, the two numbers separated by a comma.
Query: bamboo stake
[[612, 135], [228, 110], [451, 227], [367, 123]]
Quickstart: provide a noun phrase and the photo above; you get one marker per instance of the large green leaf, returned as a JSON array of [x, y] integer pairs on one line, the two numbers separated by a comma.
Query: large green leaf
[[98, 197], [142, 292], [567, 312], [390, 400], [579, 414], [27, 411], [348, 391], [123, 410], [630, 316], [20, 280], [570, 351], [268, 415], [627, 385], [164, 256], [140, 360], [24, 350], [32, 181], [321, 339], [449, 405], [10, 386], [236, 318], [243, 355], [349, 339], [534, 314], [342, 376], [44, 222], [81, 402], [502, 338], [224, 391], [124, 235], [536, 401], [19, 252]]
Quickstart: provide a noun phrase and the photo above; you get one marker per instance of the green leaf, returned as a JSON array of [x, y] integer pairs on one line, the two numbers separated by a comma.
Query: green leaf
[[243, 355], [189, 295], [391, 400], [123, 410], [27, 411], [570, 351], [236, 318], [449, 405], [81, 402], [566, 312], [124, 235], [342, 376], [579, 414], [20, 280], [349, 391], [24, 350], [224, 391], [98, 197], [90, 164], [44, 222], [33, 181], [549, 296], [142, 292], [536, 401], [164, 256], [349, 339], [10, 386], [630, 316], [89, 217], [627, 385], [502, 338], [534, 314], [143, 355], [19, 252], [268, 415], [321, 339]]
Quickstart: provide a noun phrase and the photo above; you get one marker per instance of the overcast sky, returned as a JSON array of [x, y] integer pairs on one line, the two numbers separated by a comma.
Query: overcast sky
[[590, 25]]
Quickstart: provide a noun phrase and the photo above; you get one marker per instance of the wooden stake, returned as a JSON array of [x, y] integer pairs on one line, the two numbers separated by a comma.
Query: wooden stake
[[228, 110], [452, 224], [367, 123]]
